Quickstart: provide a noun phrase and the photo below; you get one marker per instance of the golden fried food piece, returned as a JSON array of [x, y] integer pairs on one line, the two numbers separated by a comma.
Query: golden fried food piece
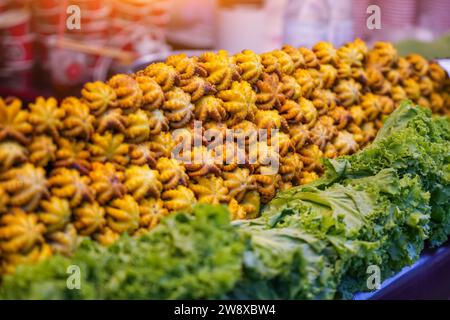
[[269, 94], [171, 173], [341, 117], [177, 199], [357, 132], [308, 177], [344, 70], [383, 56], [394, 77], [64, 242], [290, 88], [72, 154], [317, 77], [330, 151], [418, 63], [107, 236], [128, 92], [387, 105], [122, 215], [107, 182], [165, 75], [311, 60], [112, 120], [239, 102], [384, 89], [296, 56], [14, 122], [345, 143], [351, 55], [188, 135], [437, 102], [109, 147], [141, 154], [99, 97], [270, 120], [412, 89], [142, 182], [299, 135], [151, 212], [210, 108], [55, 213], [236, 210], [291, 111], [282, 143], [369, 132], [306, 82], [323, 132], [371, 105], [210, 190], [311, 156], [157, 122], [4, 199], [238, 183], [277, 61], [152, 94], [266, 185], [404, 67], [45, 116], [187, 67], [251, 204], [310, 114], [437, 74], [200, 161], [77, 122], [358, 115], [178, 108], [398, 93], [348, 92], [221, 69], [245, 132], [291, 167], [197, 87], [426, 86], [251, 65], [323, 100], [20, 231], [25, 185], [263, 157], [11, 154], [38, 253], [162, 144], [138, 129], [69, 184], [231, 154], [326, 53], [42, 151], [89, 218], [328, 75]]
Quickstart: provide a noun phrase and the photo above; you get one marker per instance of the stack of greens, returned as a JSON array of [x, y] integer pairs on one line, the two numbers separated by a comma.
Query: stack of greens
[[376, 207]]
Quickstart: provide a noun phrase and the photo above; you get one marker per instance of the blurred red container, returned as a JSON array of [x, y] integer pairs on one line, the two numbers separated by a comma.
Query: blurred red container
[[131, 11], [17, 52], [3, 5], [14, 23], [49, 16], [89, 4], [46, 4]]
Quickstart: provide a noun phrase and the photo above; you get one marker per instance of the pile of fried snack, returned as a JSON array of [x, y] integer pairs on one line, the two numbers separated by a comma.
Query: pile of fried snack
[[101, 165]]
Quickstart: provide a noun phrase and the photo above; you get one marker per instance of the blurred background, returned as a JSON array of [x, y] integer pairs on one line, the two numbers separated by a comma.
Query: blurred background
[[40, 55]]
